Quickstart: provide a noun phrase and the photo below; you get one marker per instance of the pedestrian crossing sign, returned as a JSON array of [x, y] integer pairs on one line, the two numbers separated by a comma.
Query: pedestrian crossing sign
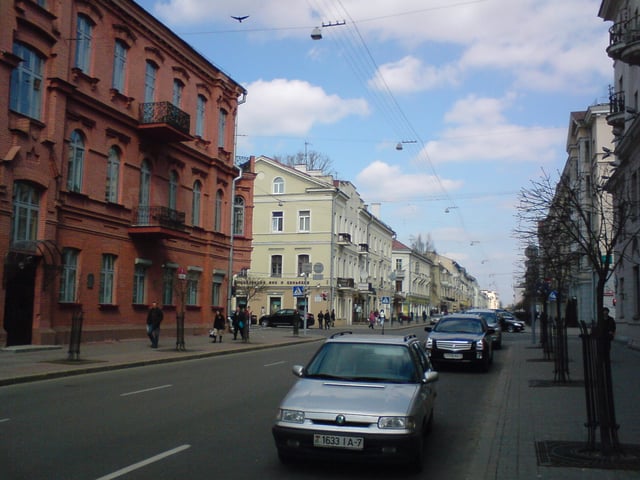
[[298, 291]]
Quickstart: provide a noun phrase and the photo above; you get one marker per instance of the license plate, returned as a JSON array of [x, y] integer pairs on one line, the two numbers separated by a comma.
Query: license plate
[[453, 356], [338, 441]]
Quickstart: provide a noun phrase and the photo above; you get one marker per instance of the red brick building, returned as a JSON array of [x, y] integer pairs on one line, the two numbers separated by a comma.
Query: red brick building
[[118, 182]]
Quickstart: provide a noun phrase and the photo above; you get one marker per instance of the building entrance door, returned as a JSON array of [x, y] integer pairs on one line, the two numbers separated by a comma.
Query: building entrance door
[[18, 308]]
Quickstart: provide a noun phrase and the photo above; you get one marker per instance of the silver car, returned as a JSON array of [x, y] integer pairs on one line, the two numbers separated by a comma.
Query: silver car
[[363, 397]]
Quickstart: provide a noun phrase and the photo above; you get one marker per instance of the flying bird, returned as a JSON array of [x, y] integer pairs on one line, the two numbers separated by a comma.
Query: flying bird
[[240, 19]]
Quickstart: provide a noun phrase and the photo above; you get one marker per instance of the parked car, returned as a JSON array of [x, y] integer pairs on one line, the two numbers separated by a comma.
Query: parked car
[[460, 338], [361, 397], [433, 319], [509, 323], [287, 317], [493, 320]]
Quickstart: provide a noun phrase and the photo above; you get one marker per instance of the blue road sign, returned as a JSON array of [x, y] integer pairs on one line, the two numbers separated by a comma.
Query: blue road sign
[[298, 291], [385, 301]]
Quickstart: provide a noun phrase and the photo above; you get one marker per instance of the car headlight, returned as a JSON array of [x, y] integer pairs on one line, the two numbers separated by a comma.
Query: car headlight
[[429, 343], [405, 423], [479, 345], [291, 416]]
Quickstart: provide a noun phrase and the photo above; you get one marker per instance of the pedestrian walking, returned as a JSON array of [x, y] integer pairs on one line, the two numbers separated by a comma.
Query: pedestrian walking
[[327, 320], [243, 320], [333, 317], [372, 320], [235, 323], [381, 318], [154, 318], [609, 325], [219, 325], [320, 319]]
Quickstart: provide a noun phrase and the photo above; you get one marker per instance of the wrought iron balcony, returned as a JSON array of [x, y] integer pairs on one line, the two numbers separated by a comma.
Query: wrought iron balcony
[[616, 117], [624, 41], [164, 122], [157, 221], [344, 238], [363, 248], [344, 282]]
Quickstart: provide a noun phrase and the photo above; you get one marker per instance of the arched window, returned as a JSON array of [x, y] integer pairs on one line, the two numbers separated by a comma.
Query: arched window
[[113, 175], [195, 204], [238, 216], [278, 185], [26, 210], [173, 189], [217, 221], [76, 162]]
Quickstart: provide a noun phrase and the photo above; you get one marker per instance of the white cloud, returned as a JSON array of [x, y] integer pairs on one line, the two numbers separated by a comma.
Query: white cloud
[[292, 107], [410, 74], [479, 132], [381, 182]]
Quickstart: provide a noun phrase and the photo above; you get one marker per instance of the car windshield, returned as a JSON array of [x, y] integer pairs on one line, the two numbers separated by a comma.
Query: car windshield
[[363, 362], [458, 325]]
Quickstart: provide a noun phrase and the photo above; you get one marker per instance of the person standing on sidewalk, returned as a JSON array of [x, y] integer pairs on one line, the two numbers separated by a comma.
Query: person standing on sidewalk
[[320, 319], [154, 318], [219, 324]]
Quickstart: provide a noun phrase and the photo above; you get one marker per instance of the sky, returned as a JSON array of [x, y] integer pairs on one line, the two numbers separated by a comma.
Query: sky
[[478, 92]]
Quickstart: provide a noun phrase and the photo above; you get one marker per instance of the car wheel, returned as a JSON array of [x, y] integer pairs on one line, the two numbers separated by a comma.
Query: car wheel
[[429, 426], [486, 363], [417, 462], [510, 329], [265, 323]]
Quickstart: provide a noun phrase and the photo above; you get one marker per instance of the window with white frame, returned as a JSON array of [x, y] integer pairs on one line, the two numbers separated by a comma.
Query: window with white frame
[[178, 88], [69, 275], [84, 32], [113, 175], [168, 279], [201, 107], [139, 281], [276, 265], [26, 211], [195, 204], [238, 216], [150, 74], [173, 189], [193, 282], [119, 65], [218, 212], [302, 259], [278, 185], [304, 221], [26, 82], [222, 128], [216, 290], [107, 279], [277, 222], [76, 162], [398, 264]]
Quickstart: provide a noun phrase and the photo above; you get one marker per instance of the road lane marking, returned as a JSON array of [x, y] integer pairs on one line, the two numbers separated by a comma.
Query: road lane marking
[[145, 390], [2, 420], [273, 364], [144, 463]]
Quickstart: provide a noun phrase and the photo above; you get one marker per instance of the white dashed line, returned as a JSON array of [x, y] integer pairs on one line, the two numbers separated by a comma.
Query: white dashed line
[[145, 390], [144, 463]]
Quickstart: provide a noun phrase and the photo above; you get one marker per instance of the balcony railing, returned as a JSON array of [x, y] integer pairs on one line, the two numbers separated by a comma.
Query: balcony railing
[[157, 221], [616, 117], [363, 248], [624, 41], [344, 282], [344, 238], [164, 122]]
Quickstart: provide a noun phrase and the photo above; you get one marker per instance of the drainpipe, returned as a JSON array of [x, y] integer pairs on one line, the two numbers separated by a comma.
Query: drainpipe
[[241, 100]]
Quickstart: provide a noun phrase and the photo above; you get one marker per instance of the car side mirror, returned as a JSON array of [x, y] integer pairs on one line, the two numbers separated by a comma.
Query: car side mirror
[[430, 377], [491, 330], [428, 329], [298, 371]]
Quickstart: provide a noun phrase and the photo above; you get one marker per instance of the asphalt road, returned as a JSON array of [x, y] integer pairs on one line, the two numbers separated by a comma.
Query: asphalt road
[[202, 419]]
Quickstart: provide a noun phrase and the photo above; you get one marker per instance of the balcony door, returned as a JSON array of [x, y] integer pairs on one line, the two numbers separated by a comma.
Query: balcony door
[[144, 213]]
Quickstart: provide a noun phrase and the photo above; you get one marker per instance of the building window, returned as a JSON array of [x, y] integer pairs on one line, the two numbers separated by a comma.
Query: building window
[[302, 259], [151, 72], [193, 280], [173, 190], [69, 275], [26, 210], [238, 216], [113, 175], [276, 265], [168, 278], [119, 65], [277, 222], [139, 276], [144, 194], [216, 290], [178, 87], [107, 279], [83, 43], [304, 221], [218, 212], [222, 128], [278, 185], [26, 82], [195, 203], [200, 110], [76, 162], [398, 264]]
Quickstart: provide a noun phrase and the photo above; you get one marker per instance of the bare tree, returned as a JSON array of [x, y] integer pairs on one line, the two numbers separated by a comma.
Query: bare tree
[[249, 287], [312, 159], [578, 225], [422, 246]]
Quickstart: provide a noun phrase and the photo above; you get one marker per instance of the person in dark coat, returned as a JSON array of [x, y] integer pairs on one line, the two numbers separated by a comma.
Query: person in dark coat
[[219, 326], [154, 318], [320, 319]]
